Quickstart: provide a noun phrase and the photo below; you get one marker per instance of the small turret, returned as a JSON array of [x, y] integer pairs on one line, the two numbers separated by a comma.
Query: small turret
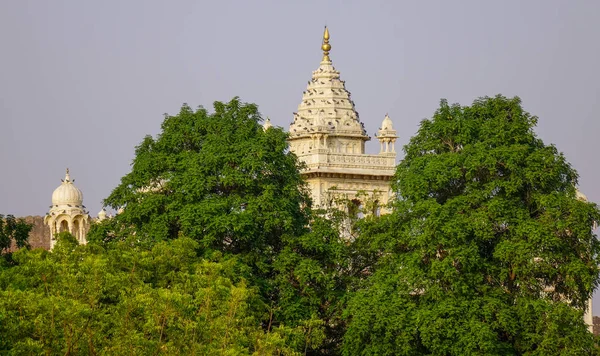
[[387, 136], [267, 125], [102, 215]]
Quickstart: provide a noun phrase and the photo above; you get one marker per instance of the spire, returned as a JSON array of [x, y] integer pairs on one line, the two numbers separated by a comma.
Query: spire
[[67, 176], [326, 47], [326, 106]]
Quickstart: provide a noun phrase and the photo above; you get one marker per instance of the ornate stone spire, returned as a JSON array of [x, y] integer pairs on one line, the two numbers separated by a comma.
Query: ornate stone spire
[[327, 108]]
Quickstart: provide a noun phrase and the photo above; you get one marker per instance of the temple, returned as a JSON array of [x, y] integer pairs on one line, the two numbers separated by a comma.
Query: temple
[[329, 138], [326, 135]]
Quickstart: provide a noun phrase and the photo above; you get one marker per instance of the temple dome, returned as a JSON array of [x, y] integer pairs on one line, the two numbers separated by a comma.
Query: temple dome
[[67, 193]]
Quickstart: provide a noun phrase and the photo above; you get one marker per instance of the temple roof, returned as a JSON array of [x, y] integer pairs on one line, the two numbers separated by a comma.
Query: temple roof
[[326, 105]]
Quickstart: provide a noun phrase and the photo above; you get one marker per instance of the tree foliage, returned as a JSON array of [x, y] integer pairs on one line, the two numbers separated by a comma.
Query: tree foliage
[[13, 229], [488, 250], [222, 180], [217, 250], [216, 177], [135, 301]]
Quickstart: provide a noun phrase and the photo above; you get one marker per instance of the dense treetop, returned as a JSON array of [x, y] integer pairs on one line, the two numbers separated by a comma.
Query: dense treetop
[[87, 300], [222, 180], [215, 177], [488, 250]]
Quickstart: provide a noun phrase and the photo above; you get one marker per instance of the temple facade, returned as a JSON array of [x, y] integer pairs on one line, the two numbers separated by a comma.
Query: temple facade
[[329, 138]]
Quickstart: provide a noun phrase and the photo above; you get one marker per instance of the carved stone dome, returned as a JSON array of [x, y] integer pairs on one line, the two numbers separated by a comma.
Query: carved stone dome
[[67, 193]]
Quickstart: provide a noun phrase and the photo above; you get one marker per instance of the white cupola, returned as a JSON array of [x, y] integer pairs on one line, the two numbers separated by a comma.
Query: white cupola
[[67, 212], [67, 193]]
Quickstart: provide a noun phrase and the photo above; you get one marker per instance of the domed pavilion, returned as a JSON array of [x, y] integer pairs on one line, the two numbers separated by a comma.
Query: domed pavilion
[[67, 212]]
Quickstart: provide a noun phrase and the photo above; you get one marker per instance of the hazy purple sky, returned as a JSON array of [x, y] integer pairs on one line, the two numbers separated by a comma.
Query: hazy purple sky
[[82, 82]]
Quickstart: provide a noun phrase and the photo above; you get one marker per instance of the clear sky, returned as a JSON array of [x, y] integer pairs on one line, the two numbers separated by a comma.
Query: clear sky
[[82, 82]]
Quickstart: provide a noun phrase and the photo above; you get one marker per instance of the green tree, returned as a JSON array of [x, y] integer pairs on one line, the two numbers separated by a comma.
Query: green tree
[[84, 299], [218, 178], [222, 180], [312, 277], [13, 229], [488, 250]]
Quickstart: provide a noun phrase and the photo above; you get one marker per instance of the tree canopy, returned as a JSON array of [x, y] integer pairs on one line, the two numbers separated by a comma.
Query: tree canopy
[[233, 187], [136, 301], [218, 178], [488, 250], [216, 249]]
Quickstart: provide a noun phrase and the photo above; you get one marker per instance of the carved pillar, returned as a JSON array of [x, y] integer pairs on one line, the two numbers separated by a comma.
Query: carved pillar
[[70, 222]]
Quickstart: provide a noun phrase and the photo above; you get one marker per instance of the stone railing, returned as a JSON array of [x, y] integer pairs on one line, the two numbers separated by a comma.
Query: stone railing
[[351, 161]]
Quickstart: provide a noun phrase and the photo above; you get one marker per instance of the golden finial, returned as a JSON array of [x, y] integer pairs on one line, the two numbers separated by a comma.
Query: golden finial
[[326, 47]]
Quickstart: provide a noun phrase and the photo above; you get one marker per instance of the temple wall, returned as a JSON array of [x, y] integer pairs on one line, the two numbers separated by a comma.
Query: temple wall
[[39, 236], [326, 188]]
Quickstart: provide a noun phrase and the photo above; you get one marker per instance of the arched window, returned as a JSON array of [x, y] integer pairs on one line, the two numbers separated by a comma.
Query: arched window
[[64, 226], [355, 209]]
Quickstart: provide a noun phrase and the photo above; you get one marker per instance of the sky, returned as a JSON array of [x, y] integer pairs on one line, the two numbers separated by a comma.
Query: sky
[[82, 82]]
